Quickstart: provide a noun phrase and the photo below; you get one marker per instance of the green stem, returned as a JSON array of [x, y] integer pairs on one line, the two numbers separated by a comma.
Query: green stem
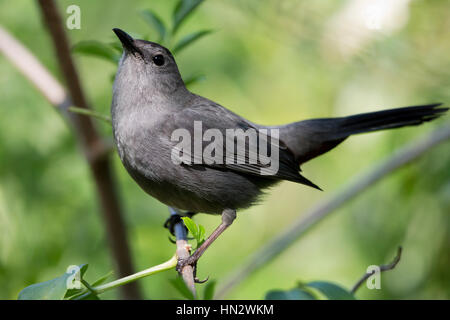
[[88, 286], [169, 264], [90, 113]]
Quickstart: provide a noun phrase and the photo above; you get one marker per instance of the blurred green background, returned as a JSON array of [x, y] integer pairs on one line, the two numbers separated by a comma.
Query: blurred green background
[[270, 61]]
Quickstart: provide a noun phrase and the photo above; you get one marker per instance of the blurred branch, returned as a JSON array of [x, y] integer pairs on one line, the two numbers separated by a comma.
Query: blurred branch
[[183, 253], [95, 149], [56, 95], [383, 268], [322, 210], [32, 69]]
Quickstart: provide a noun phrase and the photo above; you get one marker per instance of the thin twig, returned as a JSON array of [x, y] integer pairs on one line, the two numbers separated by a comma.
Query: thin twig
[[94, 148], [168, 265], [91, 113], [383, 268], [299, 227], [183, 252]]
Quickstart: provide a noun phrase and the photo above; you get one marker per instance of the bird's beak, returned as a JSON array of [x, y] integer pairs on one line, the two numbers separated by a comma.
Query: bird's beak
[[127, 41]]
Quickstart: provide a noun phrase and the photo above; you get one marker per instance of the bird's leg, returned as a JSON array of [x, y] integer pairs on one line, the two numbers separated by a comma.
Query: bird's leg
[[228, 216], [175, 217]]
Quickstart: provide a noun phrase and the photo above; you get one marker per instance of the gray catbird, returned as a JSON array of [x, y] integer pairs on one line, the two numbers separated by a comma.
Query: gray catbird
[[150, 101]]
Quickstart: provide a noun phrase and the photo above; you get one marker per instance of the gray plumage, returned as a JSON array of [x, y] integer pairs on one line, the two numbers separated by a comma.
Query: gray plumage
[[150, 101]]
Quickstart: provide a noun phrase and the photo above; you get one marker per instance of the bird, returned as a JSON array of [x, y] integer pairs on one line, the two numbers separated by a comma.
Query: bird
[[150, 102]]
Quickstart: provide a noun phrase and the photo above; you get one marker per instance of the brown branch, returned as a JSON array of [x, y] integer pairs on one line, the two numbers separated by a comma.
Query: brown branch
[[183, 252], [298, 228], [93, 146], [383, 268], [50, 88]]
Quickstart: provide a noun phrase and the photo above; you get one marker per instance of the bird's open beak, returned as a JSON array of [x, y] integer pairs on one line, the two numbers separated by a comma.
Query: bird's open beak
[[127, 41]]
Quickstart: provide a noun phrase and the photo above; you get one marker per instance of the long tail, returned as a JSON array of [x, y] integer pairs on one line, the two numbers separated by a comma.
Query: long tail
[[389, 119], [311, 138]]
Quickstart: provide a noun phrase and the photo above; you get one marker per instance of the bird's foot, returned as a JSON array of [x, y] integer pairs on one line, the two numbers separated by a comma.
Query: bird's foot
[[197, 280], [191, 261], [174, 219], [171, 222]]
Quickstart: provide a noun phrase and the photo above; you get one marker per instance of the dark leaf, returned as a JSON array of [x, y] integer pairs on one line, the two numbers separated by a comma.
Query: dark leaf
[[97, 49], [294, 294], [180, 286], [331, 290], [209, 290], [182, 10], [81, 294], [189, 39], [116, 46], [102, 279], [91, 296], [152, 19]]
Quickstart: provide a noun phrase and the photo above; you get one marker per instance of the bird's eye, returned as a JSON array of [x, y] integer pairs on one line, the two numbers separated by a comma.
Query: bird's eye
[[158, 60]]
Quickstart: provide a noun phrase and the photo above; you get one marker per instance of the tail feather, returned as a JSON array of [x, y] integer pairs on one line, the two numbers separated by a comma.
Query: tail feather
[[311, 138], [389, 119]]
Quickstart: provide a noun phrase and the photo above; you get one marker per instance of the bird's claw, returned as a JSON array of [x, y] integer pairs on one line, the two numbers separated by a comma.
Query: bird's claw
[[172, 240], [197, 280], [171, 222], [190, 262]]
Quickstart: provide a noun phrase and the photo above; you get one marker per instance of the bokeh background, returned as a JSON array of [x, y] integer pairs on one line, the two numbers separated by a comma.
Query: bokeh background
[[272, 61]]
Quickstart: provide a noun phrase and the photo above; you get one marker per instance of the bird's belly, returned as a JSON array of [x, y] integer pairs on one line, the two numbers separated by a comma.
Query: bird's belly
[[199, 189], [195, 188]]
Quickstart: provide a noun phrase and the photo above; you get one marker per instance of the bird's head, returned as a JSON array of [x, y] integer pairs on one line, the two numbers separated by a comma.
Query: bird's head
[[148, 63]]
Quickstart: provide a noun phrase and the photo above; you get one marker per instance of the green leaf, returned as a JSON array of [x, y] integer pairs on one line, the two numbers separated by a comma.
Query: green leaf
[[180, 286], [197, 231], [155, 21], [193, 79], [182, 10], [208, 293], [331, 290], [54, 289], [80, 294], [102, 279], [189, 39], [294, 294], [116, 46], [201, 233], [97, 49], [85, 296], [192, 226], [71, 292]]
